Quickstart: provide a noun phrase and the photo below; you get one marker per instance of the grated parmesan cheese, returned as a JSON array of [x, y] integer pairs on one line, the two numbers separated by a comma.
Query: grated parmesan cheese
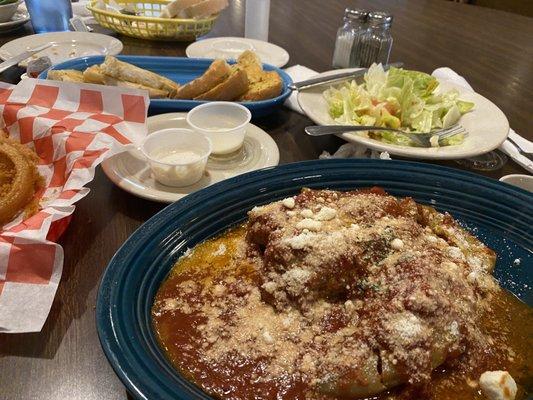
[[397, 244], [310, 224], [288, 202], [301, 241], [455, 252], [406, 327], [307, 213], [326, 214], [221, 250]]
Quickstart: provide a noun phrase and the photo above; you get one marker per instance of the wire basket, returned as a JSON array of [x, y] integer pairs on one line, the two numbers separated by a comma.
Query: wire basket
[[148, 25]]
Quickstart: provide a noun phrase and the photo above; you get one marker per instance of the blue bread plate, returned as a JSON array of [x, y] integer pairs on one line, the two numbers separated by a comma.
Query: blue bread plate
[[181, 70], [497, 213]]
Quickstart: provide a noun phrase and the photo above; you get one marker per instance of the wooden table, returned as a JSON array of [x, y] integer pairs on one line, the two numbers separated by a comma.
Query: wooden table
[[491, 49]]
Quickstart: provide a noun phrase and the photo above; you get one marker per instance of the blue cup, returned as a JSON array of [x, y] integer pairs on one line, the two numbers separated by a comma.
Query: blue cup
[[49, 15]]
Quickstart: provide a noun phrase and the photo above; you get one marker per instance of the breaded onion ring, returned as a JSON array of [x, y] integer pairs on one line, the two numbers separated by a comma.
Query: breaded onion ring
[[19, 179]]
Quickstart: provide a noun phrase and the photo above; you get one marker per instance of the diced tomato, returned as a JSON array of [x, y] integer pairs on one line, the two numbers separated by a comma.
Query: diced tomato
[[391, 108]]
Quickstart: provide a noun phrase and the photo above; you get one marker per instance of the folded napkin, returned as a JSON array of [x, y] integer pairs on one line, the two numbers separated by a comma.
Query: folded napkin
[[507, 147], [299, 72], [347, 150], [512, 151]]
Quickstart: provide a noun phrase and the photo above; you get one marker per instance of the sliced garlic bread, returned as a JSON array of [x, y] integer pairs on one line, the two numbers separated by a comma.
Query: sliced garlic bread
[[217, 72], [152, 92], [251, 63], [65, 75], [127, 72], [263, 84], [269, 86], [93, 74], [230, 89]]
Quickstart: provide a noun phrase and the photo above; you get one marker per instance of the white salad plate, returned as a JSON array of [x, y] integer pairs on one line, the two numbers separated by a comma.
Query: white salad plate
[[486, 124], [66, 45], [19, 18], [522, 181], [130, 171], [231, 47]]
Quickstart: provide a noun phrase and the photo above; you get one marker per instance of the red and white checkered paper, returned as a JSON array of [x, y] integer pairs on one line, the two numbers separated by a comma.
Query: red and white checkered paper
[[72, 128]]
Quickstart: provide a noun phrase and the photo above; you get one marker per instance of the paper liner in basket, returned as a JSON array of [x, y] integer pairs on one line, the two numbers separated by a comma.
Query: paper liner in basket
[[72, 128]]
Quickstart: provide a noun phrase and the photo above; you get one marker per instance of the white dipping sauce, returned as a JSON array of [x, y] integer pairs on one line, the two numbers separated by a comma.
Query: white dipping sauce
[[179, 157], [223, 135], [224, 123], [178, 168]]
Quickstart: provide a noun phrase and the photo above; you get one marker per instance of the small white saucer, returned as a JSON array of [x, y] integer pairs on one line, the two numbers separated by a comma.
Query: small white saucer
[[522, 181], [19, 18], [231, 47], [130, 171]]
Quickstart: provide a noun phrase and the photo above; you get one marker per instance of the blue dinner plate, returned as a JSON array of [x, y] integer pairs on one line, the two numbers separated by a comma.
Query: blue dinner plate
[[181, 70], [499, 214]]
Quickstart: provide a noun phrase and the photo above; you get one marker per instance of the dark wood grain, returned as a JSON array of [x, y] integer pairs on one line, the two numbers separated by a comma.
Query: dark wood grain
[[492, 49]]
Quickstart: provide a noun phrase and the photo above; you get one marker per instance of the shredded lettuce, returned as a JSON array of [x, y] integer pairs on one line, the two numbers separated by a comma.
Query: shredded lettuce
[[399, 99]]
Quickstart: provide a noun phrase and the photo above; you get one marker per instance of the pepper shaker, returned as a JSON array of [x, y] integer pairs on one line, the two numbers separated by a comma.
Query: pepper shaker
[[376, 42], [348, 36]]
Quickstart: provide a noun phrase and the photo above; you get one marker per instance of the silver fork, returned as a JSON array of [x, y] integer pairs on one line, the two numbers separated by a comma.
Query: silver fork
[[419, 139]]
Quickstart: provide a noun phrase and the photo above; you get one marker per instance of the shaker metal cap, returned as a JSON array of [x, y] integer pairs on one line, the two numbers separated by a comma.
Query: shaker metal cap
[[379, 18], [355, 13]]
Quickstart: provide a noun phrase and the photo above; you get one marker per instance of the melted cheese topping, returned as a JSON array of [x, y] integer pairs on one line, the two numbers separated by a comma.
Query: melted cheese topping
[[329, 295]]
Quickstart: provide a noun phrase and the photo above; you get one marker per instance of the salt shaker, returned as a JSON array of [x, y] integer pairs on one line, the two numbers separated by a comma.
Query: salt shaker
[[348, 36], [376, 42]]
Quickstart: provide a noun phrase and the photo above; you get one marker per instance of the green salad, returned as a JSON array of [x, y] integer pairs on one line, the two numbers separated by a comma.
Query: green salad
[[399, 99]]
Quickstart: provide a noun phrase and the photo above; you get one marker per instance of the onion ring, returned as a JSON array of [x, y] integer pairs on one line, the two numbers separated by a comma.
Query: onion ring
[[19, 179]]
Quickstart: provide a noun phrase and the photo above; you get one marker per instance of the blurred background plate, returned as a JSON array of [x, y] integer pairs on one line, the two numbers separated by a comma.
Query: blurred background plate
[[66, 46], [19, 18], [182, 70], [498, 214], [231, 47]]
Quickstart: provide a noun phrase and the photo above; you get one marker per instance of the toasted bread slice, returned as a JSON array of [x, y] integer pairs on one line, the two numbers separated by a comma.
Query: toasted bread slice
[[126, 72], [249, 57], [173, 8], [250, 62], [93, 74], [269, 86], [263, 84], [234, 86], [65, 75], [204, 8], [152, 92], [217, 72]]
